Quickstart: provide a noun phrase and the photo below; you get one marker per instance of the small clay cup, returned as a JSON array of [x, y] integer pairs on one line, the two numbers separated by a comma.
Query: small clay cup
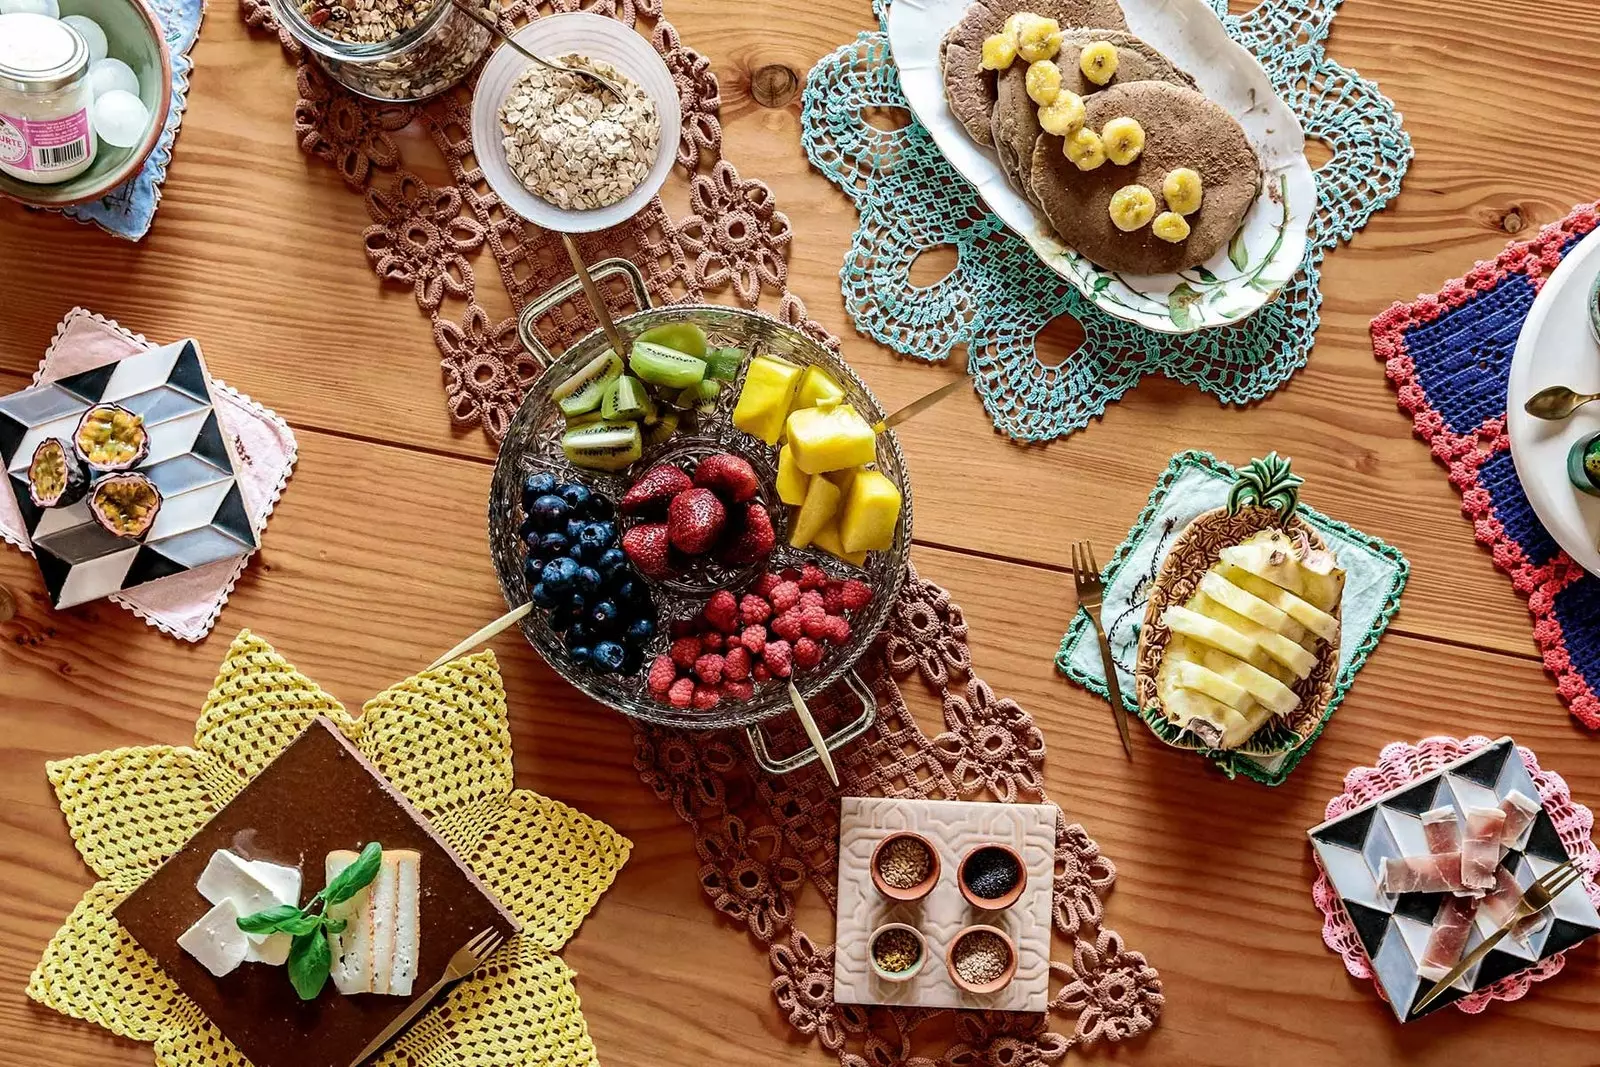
[[911, 971], [993, 986], [916, 892], [1000, 903]]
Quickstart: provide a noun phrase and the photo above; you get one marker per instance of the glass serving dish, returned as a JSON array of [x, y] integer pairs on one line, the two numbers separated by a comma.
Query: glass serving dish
[[533, 443]]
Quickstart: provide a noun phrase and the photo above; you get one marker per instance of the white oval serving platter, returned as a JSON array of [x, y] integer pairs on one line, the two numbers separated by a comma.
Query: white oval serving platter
[[1262, 257]]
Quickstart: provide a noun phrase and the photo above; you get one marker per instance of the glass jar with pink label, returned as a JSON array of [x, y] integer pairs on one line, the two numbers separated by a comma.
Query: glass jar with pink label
[[45, 99]]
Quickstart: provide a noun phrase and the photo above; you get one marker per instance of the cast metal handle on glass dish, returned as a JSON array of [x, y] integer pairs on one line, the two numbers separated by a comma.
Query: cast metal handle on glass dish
[[467, 9]]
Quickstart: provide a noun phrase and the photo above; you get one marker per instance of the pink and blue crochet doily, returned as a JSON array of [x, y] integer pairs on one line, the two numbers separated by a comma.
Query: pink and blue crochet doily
[[1450, 357], [999, 296]]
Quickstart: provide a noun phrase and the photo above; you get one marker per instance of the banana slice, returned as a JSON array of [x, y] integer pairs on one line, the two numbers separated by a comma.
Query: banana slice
[[1242, 601], [1181, 620], [1301, 611], [1204, 680]]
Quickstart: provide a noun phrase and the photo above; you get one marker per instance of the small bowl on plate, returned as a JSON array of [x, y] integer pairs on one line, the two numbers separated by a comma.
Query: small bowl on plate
[[599, 38], [133, 35], [1594, 308]]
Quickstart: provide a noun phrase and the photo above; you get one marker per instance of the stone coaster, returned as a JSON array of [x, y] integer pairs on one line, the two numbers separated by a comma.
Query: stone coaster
[[954, 827]]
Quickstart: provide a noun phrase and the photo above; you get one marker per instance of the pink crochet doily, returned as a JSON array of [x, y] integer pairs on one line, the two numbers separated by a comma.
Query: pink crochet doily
[[1399, 764]]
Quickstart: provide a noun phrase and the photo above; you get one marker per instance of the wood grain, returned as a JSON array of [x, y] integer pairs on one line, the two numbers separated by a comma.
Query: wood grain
[[376, 561]]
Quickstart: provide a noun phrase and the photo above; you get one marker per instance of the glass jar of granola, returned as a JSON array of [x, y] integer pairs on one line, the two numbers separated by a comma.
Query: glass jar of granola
[[400, 50]]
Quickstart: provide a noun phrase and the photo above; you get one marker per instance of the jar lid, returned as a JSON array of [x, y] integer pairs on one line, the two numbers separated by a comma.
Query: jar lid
[[38, 54]]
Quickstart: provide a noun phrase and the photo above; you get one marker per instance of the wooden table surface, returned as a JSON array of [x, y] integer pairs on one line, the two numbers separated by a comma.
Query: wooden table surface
[[375, 560]]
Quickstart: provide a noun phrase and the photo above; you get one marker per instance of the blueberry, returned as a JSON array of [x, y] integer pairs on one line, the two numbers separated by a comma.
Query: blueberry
[[600, 507], [541, 595], [639, 631], [549, 512], [576, 495], [632, 660], [604, 616], [614, 565], [570, 609], [579, 633], [554, 544], [587, 554], [527, 526], [582, 655], [574, 529], [602, 535], [532, 570], [630, 591], [536, 486], [586, 581], [608, 656], [559, 575]]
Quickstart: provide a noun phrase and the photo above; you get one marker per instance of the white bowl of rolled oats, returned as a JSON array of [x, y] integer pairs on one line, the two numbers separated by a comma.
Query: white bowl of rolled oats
[[559, 151]]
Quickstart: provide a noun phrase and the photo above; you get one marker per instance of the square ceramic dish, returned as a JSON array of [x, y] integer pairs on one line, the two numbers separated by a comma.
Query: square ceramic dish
[[1394, 928], [954, 828], [202, 518]]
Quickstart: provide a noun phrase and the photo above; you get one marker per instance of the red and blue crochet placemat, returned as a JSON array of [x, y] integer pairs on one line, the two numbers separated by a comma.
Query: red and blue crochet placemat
[[1450, 357]]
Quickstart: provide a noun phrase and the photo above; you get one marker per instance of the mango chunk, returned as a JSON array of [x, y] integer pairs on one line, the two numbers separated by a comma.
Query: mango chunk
[[828, 540], [870, 514], [844, 478], [792, 481], [769, 387], [830, 439], [817, 390], [821, 504]]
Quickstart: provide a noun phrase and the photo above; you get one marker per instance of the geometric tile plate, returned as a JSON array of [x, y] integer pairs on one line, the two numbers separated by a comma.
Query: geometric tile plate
[[954, 827], [202, 517], [1394, 928]]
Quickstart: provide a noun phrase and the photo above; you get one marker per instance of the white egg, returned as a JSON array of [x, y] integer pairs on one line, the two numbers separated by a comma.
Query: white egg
[[30, 7], [121, 119], [108, 74], [91, 32]]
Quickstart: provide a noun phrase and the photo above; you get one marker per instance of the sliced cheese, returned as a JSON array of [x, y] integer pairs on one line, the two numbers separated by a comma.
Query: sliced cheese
[[1181, 620], [352, 948], [1242, 601], [408, 923], [385, 909], [273, 951], [252, 885], [1283, 657], [1203, 679], [216, 940], [1301, 611]]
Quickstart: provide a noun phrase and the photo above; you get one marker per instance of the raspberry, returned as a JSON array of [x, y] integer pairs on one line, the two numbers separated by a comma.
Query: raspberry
[[807, 653], [791, 574], [785, 595], [765, 585], [779, 658], [813, 577], [738, 690], [736, 664], [810, 598], [754, 639], [684, 651], [705, 698], [788, 625], [681, 695], [753, 609], [723, 611], [663, 672], [833, 599], [814, 621], [761, 673], [857, 594], [712, 641], [837, 631], [709, 669]]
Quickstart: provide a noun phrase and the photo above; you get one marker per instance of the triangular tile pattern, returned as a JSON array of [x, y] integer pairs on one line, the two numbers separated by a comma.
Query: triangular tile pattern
[[1394, 930]]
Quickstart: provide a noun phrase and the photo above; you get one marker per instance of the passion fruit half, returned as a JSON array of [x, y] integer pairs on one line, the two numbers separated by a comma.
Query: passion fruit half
[[56, 476], [111, 438], [125, 504]]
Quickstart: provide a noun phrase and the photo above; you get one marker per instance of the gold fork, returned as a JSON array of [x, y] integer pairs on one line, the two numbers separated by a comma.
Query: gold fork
[[468, 958], [1535, 899], [1091, 590]]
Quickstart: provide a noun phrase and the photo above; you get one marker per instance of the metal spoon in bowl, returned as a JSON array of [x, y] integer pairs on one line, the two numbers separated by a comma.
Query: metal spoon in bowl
[[1557, 402], [469, 9]]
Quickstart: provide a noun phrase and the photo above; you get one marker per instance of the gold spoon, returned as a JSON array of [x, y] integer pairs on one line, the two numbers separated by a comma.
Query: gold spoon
[[1557, 402], [473, 13]]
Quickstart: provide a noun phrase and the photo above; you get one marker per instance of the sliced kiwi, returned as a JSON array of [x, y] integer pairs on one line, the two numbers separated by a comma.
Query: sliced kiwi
[[665, 426], [584, 390], [603, 446], [724, 363], [683, 337], [626, 398], [665, 367]]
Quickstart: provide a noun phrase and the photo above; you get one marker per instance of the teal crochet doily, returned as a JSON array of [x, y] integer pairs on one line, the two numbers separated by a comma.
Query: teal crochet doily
[[999, 296]]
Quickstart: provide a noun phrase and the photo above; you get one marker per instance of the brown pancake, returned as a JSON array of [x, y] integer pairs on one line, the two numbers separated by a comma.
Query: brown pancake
[[968, 87], [1014, 120], [1182, 129]]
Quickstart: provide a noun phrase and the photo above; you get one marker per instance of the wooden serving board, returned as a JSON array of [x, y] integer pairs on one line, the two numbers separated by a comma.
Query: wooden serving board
[[955, 828]]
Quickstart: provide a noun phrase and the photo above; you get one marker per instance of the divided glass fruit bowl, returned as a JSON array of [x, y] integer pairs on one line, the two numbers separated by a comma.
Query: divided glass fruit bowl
[[533, 445]]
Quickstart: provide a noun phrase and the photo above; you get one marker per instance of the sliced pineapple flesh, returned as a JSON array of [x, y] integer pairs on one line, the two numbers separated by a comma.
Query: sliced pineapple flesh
[[1301, 611], [1286, 656], [1202, 679], [1192, 624], [1242, 601]]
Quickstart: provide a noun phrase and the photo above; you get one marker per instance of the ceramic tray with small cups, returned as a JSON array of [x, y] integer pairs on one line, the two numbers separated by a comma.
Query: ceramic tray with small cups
[[533, 443], [1263, 255], [553, 36]]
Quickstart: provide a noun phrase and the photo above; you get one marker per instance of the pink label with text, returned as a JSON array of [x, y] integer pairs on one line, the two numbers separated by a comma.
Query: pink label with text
[[47, 145]]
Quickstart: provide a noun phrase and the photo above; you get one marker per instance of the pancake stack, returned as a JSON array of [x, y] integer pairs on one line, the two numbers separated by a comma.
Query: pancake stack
[[1166, 206]]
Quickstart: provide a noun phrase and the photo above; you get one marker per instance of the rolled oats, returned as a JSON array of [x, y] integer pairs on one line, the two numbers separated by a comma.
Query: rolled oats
[[571, 142]]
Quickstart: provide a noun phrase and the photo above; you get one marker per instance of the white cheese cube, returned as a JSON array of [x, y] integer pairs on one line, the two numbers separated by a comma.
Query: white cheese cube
[[274, 951], [216, 940], [252, 885], [352, 949]]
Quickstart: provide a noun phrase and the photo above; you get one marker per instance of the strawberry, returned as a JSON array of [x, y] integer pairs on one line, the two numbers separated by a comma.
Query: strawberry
[[753, 610], [708, 668], [658, 485], [711, 641], [684, 651], [754, 639], [722, 611], [856, 593], [784, 595], [837, 631], [813, 620], [695, 519], [765, 585], [807, 653], [779, 658], [755, 537], [761, 673], [736, 664], [681, 695], [663, 672], [738, 690], [647, 546], [705, 698], [813, 577], [730, 477], [811, 598], [789, 625]]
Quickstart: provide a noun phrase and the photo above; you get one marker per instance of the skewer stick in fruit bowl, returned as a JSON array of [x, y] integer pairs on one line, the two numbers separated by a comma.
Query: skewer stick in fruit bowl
[[813, 732], [504, 622]]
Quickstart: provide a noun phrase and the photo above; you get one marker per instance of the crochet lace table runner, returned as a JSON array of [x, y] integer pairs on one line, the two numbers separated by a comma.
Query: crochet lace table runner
[[1449, 355], [1000, 296], [443, 739], [1400, 763]]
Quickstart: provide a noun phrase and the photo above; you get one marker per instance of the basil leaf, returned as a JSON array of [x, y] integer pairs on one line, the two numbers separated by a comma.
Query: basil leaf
[[334, 926], [269, 921], [356, 877], [301, 924], [310, 960]]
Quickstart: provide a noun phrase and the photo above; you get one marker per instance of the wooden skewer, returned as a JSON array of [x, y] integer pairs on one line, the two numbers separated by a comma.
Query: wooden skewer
[[813, 732], [504, 622]]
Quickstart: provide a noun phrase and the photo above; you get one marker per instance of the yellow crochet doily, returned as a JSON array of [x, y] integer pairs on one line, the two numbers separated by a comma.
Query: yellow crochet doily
[[441, 738]]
